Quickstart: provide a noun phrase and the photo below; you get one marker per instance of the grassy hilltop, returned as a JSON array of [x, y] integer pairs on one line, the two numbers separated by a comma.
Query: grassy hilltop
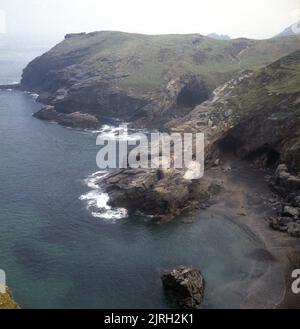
[[144, 79], [144, 62]]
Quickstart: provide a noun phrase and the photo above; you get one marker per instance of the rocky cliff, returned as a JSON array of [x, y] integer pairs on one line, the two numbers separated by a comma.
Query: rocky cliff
[[146, 80], [169, 81], [256, 117]]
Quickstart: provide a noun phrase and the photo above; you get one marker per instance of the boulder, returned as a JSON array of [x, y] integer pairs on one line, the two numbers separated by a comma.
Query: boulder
[[296, 201], [291, 212], [281, 168], [280, 223], [294, 229], [293, 183], [284, 182], [185, 286]]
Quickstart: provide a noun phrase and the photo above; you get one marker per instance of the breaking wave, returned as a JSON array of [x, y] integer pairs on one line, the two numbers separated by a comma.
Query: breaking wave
[[97, 201], [117, 133]]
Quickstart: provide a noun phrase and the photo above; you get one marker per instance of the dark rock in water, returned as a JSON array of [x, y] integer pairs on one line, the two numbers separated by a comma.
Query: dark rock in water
[[73, 120], [185, 286], [47, 113]]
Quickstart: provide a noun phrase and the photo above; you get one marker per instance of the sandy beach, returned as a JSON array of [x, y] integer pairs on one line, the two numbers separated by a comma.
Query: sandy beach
[[247, 200]]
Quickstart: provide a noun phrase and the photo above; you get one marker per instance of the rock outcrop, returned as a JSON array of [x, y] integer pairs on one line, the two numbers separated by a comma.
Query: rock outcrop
[[7, 301], [185, 286], [288, 214], [72, 120], [162, 194]]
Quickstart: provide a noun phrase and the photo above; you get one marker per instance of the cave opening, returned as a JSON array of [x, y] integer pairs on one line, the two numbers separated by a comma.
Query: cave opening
[[193, 94], [270, 157], [267, 155], [273, 158], [229, 144]]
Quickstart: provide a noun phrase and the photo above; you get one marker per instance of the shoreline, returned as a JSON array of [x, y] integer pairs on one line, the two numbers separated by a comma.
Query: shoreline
[[13, 86], [244, 200]]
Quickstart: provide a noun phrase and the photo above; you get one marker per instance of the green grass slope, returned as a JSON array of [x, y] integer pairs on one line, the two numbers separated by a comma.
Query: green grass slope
[[142, 63], [270, 87]]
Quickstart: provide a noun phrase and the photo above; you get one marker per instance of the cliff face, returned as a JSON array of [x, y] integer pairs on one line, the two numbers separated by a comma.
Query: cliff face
[[147, 80], [268, 115], [256, 116]]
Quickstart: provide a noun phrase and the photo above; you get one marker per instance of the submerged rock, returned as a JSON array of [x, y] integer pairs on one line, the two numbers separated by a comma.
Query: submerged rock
[[185, 286]]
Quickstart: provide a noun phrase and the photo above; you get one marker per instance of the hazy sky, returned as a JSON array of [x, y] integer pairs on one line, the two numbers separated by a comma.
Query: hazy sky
[[252, 19]]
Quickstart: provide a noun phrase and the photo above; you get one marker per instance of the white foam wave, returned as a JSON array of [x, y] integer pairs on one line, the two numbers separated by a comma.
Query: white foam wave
[[34, 96], [117, 133], [97, 201]]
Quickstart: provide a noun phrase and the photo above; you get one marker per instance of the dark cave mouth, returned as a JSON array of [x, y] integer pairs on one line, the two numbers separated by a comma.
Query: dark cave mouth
[[192, 94], [269, 156], [266, 154]]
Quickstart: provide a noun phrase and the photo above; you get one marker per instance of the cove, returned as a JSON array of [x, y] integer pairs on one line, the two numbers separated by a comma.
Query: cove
[[56, 254]]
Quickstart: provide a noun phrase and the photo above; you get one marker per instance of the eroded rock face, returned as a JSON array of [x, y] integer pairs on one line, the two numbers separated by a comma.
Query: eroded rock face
[[185, 286], [286, 183], [92, 73], [73, 120], [103, 100], [263, 137], [161, 194], [288, 219]]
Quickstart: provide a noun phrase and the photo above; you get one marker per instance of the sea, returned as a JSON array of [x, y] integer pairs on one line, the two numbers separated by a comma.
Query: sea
[[62, 246]]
